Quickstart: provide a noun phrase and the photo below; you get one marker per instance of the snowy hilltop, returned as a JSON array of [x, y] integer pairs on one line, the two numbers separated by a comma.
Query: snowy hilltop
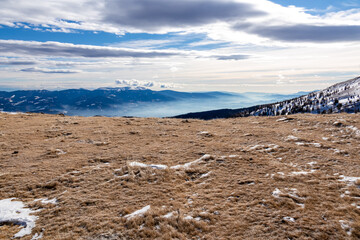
[[341, 97]]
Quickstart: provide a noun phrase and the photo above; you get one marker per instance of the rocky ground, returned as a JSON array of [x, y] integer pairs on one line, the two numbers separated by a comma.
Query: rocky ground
[[295, 177]]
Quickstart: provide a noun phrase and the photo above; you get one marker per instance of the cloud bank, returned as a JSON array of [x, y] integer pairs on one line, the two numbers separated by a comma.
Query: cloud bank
[[157, 14], [304, 33], [58, 49], [45, 70]]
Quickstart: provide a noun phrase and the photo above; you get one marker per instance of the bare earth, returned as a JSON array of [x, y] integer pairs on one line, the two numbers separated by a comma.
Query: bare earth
[[263, 177]]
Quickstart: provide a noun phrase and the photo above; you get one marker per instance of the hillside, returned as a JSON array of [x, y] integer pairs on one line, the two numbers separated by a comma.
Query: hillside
[[341, 97], [103, 178]]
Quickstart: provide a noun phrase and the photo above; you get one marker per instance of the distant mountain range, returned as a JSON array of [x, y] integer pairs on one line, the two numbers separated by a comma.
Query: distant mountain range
[[341, 97], [82, 99], [126, 101]]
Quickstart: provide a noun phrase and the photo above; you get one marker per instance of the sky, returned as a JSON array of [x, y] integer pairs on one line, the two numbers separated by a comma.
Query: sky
[[279, 46]]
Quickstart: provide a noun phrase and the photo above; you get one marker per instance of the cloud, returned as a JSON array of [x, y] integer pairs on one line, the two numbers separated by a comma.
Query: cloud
[[119, 16], [57, 49], [174, 69], [157, 14], [213, 18], [283, 80], [232, 57], [145, 84], [45, 70], [304, 33], [16, 62]]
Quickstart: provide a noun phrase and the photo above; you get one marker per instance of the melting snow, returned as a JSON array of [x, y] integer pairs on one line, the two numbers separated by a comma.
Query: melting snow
[[188, 217], [350, 180], [143, 165], [162, 167], [312, 163], [289, 219], [191, 218], [346, 227], [186, 165], [256, 147], [291, 138], [15, 212], [355, 205], [46, 201], [282, 119], [354, 129], [276, 193], [140, 212], [205, 175], [168, 215], [37, 236], [317, 145], [302, 172]]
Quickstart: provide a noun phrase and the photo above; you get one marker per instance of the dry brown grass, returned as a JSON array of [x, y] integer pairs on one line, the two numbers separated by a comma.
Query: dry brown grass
[[85, 164]]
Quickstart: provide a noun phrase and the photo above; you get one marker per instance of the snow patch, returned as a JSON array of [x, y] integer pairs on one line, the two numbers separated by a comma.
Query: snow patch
[[289, 219], [168, 215], [143, 165], [345, 225], [15, 212], [47, 201], [311, 163], [302, 172], [349, 180], [37, 236], [187, 165], [137, 213], [355, 130], [276, 193], [291, 138], [205, 175], [317, 145], [192, 218]]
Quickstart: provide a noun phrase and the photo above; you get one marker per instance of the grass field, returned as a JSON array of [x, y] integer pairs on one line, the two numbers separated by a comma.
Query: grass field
[[295, 177]]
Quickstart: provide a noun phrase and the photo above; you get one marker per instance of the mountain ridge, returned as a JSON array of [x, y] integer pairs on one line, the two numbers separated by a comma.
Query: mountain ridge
[[126, 101]]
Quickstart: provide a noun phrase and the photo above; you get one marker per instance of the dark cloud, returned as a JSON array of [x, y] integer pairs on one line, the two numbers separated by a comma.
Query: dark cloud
[[155, 14], [232, 57], [70, 50], [304, 33], [16, 63], [45, 70]]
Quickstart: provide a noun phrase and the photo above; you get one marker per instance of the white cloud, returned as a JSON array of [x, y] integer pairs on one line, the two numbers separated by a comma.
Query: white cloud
[[145, 84], [174, 69]]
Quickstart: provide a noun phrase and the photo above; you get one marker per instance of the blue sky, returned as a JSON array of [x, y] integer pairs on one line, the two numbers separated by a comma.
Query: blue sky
[[321, 4], [189, 45]]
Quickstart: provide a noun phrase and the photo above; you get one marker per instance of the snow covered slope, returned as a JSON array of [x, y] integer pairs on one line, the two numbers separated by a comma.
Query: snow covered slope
[[341, 97]]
